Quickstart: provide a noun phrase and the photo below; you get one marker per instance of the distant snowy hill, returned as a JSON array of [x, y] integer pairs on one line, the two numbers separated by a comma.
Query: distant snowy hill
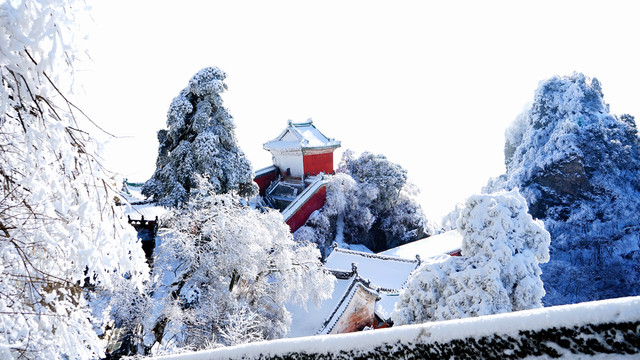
[[578, 166]]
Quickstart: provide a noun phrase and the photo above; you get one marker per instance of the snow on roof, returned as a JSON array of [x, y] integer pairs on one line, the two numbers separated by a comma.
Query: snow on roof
[[356, 282], [311, 320], [148, 211], [137, 206], [359, 247], [385, 305], [132, 192], [386, 272], [265, 170], [301, 136], [431, 246]]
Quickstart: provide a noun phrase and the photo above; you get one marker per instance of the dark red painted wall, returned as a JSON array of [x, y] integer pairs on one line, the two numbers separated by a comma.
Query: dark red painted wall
[[315, 202], [264, 180], [315, 164]]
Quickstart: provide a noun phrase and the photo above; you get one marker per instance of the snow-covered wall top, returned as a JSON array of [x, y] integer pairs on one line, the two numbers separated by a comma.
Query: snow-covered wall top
[[304, 196], [596, 328]]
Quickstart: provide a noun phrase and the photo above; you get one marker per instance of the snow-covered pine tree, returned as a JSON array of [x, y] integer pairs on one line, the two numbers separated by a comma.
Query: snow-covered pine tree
[[220, 259], [578, 166], [58, 225], [199, 140], [498, 271]]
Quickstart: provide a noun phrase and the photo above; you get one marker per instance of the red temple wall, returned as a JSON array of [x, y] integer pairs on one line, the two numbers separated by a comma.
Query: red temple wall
[[315, 202], [315, 164], [265, 180]]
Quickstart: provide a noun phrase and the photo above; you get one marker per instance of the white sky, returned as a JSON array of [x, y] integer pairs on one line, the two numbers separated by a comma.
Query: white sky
[[431, 85]]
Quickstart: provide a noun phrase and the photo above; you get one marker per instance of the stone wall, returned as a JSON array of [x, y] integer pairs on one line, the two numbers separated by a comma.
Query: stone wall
[[609, 327]]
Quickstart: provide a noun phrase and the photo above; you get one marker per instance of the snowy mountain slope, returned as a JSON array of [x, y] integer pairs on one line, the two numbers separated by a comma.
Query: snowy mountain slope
[[578, 166], [604, 329]]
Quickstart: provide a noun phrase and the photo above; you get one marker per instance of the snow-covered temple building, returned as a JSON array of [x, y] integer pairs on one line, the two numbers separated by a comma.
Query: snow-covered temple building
[[295, 184], [366, 290], [368, 285], [301, 150]]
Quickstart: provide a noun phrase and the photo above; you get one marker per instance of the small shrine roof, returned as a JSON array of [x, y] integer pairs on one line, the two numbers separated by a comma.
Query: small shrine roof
[[302, 135], [431, 246], [144, 211], [136, 206], [384, 272]]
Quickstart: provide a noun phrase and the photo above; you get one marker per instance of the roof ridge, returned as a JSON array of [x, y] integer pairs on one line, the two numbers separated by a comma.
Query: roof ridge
[[374, 256]]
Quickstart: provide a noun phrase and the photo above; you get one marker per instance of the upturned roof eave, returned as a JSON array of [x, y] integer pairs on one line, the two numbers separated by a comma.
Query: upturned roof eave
[[269, 146]]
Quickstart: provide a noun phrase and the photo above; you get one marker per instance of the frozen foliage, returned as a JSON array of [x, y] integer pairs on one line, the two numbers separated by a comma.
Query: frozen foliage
[[199, 140], [498, 271], [383, 192], [368, 202], [223, 272], [578, 166], [59, 229]]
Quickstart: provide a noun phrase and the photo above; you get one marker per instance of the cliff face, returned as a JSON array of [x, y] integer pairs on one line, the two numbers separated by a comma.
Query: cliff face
[[578, 166]]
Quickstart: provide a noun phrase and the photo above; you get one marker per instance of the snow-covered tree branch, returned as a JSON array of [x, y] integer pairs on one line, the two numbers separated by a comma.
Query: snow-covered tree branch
[[218, 258], [59, 228]]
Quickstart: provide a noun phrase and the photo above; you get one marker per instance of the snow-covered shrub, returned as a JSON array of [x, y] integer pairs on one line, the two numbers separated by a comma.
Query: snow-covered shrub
[[60, 233], [450, 221], [578, 166], [199, 141], [370, 202], [498, 271], [386, 213], [218, 256]]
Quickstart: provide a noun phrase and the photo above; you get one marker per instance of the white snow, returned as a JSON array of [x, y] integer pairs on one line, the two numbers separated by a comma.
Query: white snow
[[148, 211], [305, 195], [359, 248], [387, 272], [345, 301], [606, 311], [301, 136], [132, 194], [435, 245], [386, 304], [308, 320], [265, 170]]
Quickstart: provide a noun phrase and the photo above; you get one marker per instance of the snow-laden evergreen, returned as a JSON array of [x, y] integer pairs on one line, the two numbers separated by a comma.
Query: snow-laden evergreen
[[578, 166], [498, 271], [223, 272], [369, 202], [59, 227], [199, 140]]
